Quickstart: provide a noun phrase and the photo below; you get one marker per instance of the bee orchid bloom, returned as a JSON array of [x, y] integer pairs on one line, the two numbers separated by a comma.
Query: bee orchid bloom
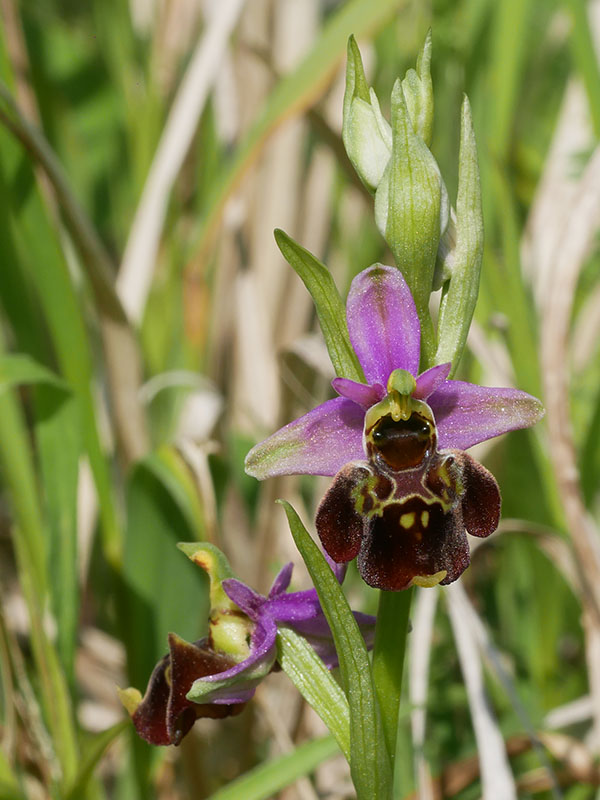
[[404, 490], [216, 676]]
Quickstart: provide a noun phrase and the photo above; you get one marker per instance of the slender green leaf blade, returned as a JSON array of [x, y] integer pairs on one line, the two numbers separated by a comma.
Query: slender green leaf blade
[[315, 683], [91, 756], [369, 762], [330, 306], [59, 441], [19, 368], [266, 780]]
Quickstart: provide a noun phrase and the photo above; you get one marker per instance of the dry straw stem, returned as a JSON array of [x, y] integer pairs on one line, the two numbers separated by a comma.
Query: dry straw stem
[[137, 268], [577, 767], [577, 239], [496, 777], [420, 653]]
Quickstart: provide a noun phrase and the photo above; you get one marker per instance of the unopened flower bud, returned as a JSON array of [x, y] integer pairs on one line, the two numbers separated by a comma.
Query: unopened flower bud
[[367, 135]]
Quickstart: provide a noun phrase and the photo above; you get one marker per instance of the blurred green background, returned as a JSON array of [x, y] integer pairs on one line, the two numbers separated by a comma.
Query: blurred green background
[[151, 333]]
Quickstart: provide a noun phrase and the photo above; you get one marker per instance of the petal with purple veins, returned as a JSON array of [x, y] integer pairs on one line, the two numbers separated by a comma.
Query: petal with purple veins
[[319, 443], [430, 380], [467, 414], [383, 323]]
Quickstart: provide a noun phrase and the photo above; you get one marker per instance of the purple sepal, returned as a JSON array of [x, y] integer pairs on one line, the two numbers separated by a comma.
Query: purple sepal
[[430, 380], [383, 323], [319, 443], [467, 414]]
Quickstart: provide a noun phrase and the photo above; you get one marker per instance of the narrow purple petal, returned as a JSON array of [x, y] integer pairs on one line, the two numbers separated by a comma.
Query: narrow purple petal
[[295, 606], [319, 443], [263, 641], [339, 570], [383, 323], [430, 380], [365, 396], [318, 633], [282, 581], [467, 414], [243, 596]]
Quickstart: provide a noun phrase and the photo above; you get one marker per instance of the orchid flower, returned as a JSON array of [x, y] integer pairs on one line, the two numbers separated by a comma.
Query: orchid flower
[[215, 676], [404, 490]]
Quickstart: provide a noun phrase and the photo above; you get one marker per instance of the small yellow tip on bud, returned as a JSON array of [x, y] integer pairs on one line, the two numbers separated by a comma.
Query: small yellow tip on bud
[[130, 699]]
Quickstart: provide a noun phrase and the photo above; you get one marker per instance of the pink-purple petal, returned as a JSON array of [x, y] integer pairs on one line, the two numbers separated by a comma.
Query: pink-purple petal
[[296, 606], [319, 443], [383, 323], [263, 642], [365, 396], [467, 414], [243, 596], [282, 581], [430, 380]]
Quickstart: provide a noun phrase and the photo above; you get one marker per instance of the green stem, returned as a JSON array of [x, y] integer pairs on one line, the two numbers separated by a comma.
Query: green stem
[[388, 659]]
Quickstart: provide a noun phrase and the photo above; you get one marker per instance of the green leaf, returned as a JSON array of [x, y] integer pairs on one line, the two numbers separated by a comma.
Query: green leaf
[[59, 441], [19, 368], [369, 761], [460, 292], [9, 784], [164, 591], [268, 779], [57, 429], [172, 471], [330, 306], [315, 683], [91, 756]]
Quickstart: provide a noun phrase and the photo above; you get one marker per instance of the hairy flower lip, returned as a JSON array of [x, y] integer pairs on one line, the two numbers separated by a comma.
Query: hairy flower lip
[[384, 330]]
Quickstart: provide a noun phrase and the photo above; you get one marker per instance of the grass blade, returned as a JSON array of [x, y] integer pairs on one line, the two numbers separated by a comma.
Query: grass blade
[[369, 762], [315, 683], [330, 306], [265, 781]]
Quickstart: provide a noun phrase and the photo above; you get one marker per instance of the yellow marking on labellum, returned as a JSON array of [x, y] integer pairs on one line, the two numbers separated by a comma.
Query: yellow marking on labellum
[[424, 518], [427, 581], [407, 520]]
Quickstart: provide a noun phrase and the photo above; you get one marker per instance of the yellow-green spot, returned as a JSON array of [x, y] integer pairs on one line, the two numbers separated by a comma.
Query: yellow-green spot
[[427, 581], [407, 520]]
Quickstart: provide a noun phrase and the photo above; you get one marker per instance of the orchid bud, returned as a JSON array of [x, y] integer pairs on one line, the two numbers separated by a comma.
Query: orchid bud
[[411, 203], [418, 93], [366, 134], [229, 628]]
